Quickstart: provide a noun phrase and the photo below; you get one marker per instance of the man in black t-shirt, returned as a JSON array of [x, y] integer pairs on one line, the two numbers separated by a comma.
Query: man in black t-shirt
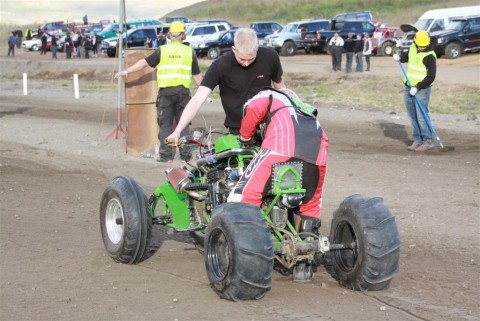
[[240, 74]]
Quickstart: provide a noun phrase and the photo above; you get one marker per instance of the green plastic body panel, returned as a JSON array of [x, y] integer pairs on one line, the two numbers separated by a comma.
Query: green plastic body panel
[[175, 205], [226, 142]]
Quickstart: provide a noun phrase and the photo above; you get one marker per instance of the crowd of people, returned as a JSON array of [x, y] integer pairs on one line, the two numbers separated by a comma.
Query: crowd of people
[[359, 47]]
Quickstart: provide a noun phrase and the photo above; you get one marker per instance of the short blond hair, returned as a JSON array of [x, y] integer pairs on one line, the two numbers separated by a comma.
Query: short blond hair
[[246, 41]]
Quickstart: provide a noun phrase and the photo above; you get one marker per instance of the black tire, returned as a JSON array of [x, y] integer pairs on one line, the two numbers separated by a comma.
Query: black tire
[[239, 252], [213, 53], [288, 49], [374, 259], [125, 220], [453, 50], [387, 48], [35, 48]]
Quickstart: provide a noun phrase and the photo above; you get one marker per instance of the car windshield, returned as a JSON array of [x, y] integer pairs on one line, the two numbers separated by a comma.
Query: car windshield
[[290, 27], [456, 25], [423, 24]]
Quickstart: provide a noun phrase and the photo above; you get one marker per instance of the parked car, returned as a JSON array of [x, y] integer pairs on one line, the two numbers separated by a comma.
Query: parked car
[[265, 28], [177, 18], [199, 33], [33, 44], [355, 15], [111, 30], [461, 35], [216, 45], [434, 20], [134, 38], [288, 41]]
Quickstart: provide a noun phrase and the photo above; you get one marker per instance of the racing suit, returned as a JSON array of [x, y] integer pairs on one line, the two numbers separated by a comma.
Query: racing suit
[[290, 135]]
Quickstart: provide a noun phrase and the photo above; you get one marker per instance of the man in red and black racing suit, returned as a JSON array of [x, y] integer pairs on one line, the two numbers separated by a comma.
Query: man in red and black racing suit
[[290, 135]]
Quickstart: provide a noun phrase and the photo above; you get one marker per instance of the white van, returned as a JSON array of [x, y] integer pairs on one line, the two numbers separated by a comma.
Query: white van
[[199, 33], [434, 20]]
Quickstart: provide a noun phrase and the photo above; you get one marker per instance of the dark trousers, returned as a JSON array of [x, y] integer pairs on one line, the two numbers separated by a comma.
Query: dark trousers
[[169, 109], [348, 66], [367, 60], [336, 57], [11, 49], [68, 51], [44, 49]]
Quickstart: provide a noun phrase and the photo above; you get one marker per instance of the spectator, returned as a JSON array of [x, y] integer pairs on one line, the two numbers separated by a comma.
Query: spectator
[[12, 41], [44, 43], [292, 134], [240, 74], [367, 50], [336, 47], [78, 44], [53, 46], [176, 64], [358, 51], [86, 43], [94, 45], [161, 39], [85, 20], [69, 46], [28, 34], [421, 72], [19, 38], [148, 43], [348, 47]]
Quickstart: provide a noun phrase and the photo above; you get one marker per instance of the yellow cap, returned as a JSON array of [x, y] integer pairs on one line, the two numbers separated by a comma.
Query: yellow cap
[[177, 27], [422, 39]]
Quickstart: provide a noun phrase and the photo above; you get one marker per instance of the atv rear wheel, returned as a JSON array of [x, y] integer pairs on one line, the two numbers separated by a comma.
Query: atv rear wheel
[[239, 252], [126, 220], [369, 227]]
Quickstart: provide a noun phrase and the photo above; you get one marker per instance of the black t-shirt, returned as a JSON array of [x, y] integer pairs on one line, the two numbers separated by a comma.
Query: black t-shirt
[[348, 45], [154, 59], [238, 84]]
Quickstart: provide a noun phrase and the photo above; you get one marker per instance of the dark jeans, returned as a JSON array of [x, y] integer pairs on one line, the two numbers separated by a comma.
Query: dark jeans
[[359, 59], [54, 51], [348, 67], [11, 49], [336, 57], [170, 108], [68, 51], [44, 49], [367, 60]]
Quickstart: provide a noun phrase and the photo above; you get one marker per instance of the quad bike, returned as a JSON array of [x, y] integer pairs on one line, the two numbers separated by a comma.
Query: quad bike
[[242, 243]]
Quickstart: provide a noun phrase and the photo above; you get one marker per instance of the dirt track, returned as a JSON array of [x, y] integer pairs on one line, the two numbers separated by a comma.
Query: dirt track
[[55, 164]]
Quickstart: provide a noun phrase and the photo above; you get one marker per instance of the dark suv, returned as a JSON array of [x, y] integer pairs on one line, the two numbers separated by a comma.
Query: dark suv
[[461, 35], [265, 28], [216, 45], [135, 38]]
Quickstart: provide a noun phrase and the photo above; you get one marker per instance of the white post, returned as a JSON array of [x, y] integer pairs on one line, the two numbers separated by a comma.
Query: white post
[[25, 91], [75, 86]]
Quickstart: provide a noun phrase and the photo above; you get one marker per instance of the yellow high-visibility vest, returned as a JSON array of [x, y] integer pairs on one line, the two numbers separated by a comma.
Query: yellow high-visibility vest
[[417, 71], [175, 67]]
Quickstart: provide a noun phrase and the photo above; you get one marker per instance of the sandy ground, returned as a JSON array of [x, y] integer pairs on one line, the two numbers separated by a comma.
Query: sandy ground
[[55, 164]]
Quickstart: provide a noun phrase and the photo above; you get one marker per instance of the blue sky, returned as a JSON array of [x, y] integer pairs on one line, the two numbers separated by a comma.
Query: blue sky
[[39, 11]]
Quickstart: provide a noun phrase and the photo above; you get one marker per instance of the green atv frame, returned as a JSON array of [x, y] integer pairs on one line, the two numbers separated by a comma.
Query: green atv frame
[[242, 243]]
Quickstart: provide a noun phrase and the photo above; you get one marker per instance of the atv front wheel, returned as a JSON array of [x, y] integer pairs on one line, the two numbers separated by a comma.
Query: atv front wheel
[[371, 258], [126, 220], [239, 252]]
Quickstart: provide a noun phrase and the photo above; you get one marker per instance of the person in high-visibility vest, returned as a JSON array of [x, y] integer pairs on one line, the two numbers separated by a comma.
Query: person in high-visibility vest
[[421, 72], [176, 65]]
